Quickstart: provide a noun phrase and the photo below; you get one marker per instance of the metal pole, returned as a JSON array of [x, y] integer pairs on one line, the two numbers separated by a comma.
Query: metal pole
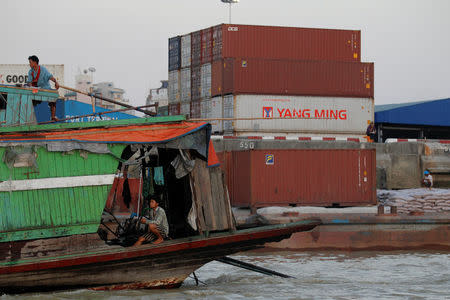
[[230, 14]]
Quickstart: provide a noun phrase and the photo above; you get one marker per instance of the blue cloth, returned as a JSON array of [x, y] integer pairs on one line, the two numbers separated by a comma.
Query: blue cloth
[[44, 77], [158, 176]]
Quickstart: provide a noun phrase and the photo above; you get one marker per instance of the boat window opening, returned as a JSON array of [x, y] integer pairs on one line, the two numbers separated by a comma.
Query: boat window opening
[[3, 100], [152, 176]]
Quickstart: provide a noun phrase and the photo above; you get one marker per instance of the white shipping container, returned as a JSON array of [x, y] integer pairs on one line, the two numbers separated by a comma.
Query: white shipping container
[[287, 115], [205, 108], [186, 51], [174, 87], [215, 114], [205, 81], [185, 109], [18, 73], [228, 112], [185, 85]]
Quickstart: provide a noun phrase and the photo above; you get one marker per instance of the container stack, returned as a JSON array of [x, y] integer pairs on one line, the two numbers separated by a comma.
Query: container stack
[[263, 77]]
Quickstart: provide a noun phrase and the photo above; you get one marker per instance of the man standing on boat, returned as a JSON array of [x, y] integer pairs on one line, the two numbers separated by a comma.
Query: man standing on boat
[[39, 76], [158, 226]]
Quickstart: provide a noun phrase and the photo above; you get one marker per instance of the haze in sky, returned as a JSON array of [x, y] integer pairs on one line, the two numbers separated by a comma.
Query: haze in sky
[[126, 41]]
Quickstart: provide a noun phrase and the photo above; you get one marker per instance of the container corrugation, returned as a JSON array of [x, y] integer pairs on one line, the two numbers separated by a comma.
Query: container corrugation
[[196, 48], [292, 77], [205, 108], [312, 177], [286, 43], [216, 113], [205, 81], [228, 112], [297, 114], [196, 109], [217, 42], [196, 82], [185, 108], [186, 51], [174, 109], [206, 45], [174, 53], [185, 78], [173, 91]]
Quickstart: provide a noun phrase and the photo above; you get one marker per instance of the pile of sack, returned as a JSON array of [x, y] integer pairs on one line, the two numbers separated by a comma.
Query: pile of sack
[[410, 201]]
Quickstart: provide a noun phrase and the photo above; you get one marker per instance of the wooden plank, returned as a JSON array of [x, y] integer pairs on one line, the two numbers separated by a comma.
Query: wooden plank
[[12, 109], [229, 212], [56, 182], [197, 201], [205, 187], [218, 203]]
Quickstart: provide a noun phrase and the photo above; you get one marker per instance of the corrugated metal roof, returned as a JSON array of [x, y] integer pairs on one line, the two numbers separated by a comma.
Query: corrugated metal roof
[[432, 113]]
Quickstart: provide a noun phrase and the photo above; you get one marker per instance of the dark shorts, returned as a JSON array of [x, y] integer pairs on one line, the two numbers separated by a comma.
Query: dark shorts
[[151, 237]]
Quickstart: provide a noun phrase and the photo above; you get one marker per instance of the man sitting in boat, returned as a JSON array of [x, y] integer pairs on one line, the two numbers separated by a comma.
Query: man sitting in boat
[[39, 76], [158, 228]]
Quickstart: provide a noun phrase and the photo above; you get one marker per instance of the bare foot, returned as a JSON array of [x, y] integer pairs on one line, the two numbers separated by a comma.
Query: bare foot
[[158, 241]]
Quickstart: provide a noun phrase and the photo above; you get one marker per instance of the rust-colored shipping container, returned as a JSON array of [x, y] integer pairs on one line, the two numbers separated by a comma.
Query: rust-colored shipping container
[[206, 45], [196, 48], [196, 82], [292, 77], [301, 177], [174, 109], [196, 109], [232, 40]]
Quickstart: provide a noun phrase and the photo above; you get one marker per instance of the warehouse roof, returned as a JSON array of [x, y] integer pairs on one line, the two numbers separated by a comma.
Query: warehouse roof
[[432, 113]]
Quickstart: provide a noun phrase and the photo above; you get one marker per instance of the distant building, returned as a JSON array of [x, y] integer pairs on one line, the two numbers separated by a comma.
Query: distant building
[[158, 95], [84, 82]]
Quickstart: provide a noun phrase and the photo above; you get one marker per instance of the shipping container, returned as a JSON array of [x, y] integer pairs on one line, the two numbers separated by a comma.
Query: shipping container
[[18, 74], [206, 45], [196, 109], [174, 53], [232, 40], [302, 177], [215, 114], [205, 81], [185, 109], [228, 112], [174, 109], [196, 82], [196, 48], [186, 51], [296, 114], [185, 78], [292, 77], [205, 108], [173, 91]]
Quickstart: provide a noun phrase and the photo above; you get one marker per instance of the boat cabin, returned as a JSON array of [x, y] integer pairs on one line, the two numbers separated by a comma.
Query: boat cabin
[[62, 179], [26, 105]]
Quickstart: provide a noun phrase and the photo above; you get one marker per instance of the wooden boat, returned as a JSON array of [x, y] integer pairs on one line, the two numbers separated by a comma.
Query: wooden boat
[[54, 183]]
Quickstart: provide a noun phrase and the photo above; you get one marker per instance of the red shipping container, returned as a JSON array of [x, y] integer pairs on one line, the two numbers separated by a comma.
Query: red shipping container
[[174, 109], [303, 177], [196, 48], [206, 45], [231, 40], [292, 77]]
